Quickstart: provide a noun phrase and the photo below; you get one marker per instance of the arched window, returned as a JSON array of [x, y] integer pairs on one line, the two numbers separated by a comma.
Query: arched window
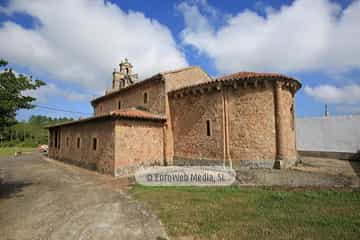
[[119, 104]]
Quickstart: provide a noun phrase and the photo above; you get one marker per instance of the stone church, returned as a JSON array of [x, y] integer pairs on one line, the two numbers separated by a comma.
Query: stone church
[[183, 117]]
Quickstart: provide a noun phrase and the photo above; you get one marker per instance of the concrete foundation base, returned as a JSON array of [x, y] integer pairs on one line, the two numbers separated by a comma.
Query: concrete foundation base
[[238, 164]]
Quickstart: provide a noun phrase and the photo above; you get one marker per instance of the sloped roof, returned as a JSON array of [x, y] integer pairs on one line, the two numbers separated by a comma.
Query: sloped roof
[[178, 70], [247, 75], [137, 113], [242, 76], [160, 76], [136, 84], [129, 113]]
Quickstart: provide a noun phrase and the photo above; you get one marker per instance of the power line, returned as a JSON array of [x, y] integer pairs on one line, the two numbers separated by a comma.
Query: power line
[[61, 110]]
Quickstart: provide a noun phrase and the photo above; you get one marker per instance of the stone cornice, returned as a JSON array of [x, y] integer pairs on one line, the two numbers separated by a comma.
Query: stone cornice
[[241, 83]]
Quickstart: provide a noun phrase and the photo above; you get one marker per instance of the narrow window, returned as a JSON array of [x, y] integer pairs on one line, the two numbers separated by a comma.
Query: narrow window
[[119, 105], [208, 128], [145, 98], [56, 138], [67, 141], [78, 142], [292, 121], [59, 139], [94, 145]]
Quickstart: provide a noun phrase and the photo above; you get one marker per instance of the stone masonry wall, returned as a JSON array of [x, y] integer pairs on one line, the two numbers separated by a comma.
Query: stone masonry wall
[[137, 143], [101, 159], [252, 134], [173, 81], [189, 115], [179, 79], [134, 97], [243, 125], [288, 122]]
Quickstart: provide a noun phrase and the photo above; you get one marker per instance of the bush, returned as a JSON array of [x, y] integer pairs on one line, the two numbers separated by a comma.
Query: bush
[[12, 143], [17, 143]]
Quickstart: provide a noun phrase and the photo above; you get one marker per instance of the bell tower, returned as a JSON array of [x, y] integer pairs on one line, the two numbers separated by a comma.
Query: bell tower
[[124, 77]]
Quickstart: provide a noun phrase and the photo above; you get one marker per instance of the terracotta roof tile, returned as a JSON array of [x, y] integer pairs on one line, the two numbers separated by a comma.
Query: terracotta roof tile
[[239, 76], [137, 113], [245, 75], [136, 84], [158, 76], [130, 113]]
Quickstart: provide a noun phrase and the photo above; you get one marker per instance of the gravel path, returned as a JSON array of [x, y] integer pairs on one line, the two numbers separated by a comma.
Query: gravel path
[[42, 199]]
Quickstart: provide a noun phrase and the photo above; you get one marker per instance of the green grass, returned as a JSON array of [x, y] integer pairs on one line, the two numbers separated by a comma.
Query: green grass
[[254, 213], [10, 151]]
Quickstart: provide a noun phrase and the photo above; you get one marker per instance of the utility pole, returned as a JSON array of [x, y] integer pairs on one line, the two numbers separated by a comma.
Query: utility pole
[[326, 110]]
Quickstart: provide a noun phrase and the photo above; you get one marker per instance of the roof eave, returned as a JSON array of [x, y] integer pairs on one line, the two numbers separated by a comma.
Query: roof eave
[[108, 116], [158, 76]]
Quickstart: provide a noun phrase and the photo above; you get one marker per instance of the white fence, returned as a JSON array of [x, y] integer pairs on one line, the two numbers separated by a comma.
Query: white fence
[[328, 134]]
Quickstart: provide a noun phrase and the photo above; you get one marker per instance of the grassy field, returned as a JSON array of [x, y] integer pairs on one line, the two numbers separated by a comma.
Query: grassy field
[[254, 213], [9, 151]]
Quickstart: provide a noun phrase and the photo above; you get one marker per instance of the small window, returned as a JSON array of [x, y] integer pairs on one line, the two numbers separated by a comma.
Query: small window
[[145, 98], [94, 145], [56, 138], [292, 121], [59, 139], [100, 107], [119, 104], [208, 128], [78, 142]]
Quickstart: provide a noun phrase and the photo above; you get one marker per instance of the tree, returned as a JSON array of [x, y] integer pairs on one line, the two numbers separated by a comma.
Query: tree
[[12, 99], [29, 133]]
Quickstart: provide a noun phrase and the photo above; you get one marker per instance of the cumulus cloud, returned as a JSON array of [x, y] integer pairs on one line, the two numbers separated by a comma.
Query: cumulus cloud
[[44, 93], [349, 94], [304, 36], [81, 41]]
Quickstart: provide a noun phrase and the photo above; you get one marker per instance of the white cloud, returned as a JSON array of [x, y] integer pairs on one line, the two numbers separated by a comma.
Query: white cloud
[[304, 36], [81, 41], [338, 95], [44, 93]]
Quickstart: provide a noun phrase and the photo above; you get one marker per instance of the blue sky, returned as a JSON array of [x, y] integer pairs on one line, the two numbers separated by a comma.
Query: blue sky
[[74, 45]]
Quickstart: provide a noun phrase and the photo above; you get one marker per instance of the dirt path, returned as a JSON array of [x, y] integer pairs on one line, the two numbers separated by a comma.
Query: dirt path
[[48, 200], [330, 166]]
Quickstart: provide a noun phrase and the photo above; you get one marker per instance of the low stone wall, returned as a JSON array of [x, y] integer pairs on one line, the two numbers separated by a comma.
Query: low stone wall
[[197, 162], [253, 164], [267, 164], [337, 155], [131, 169]]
